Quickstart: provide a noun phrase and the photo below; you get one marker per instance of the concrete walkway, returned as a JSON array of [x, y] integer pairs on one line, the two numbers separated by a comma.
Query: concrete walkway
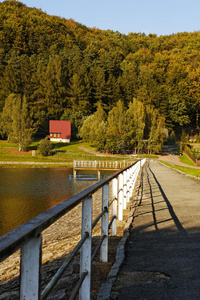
[[162, 258]]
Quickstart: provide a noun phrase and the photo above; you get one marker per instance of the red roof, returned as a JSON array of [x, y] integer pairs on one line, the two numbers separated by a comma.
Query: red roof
[[62, 127]]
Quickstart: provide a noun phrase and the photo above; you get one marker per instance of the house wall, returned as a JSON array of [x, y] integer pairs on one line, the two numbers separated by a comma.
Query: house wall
[[60, 140]]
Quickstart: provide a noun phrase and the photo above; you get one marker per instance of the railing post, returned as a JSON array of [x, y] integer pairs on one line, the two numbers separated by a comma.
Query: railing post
[[121, 197], [30, 269], [99, 174], [104, 223], [133, 174], [125, 189], [114, 206], [128, 185], [85, 256]]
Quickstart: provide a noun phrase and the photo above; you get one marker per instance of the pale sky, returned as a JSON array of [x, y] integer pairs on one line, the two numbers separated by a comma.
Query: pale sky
[[148, 16]]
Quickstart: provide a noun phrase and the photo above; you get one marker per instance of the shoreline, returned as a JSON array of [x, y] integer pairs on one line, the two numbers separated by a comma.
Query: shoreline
[[18, 164]]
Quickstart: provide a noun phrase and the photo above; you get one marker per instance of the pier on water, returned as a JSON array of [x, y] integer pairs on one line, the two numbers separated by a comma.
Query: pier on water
[[115, 192], [98, 166]]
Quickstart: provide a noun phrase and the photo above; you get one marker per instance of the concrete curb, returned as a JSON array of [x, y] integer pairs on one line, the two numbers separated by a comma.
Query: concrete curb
[[105, 290]]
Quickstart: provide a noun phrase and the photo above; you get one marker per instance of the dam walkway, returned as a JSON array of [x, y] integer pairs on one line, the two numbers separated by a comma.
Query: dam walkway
[[162, 255]]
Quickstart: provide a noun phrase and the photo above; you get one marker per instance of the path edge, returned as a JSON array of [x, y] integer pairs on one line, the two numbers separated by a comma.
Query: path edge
[[106, 288]]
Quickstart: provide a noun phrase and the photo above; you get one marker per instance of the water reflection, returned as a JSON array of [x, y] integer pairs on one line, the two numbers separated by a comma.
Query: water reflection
[[25, 193]]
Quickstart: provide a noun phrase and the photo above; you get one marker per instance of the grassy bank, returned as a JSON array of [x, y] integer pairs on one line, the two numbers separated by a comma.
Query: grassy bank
[[186, 160], [186, 170], [62, 155]]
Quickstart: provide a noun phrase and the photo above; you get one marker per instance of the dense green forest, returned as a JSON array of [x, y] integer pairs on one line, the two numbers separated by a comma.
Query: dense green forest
[[65, 70]]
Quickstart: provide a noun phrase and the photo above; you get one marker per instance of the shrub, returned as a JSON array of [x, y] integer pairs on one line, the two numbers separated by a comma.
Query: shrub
[[44, 147]]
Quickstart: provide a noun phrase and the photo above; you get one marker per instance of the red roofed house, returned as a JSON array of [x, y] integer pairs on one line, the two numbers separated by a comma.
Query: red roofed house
[[60, 131]]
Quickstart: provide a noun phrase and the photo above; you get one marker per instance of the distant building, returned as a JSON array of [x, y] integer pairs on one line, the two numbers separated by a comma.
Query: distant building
[[60, 131]]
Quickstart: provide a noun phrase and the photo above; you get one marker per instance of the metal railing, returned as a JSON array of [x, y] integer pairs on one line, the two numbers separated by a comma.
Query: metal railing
[[28, 237]]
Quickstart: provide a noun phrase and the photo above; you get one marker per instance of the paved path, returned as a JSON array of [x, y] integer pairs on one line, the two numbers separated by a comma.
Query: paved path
[[163, 253], [174, 159]]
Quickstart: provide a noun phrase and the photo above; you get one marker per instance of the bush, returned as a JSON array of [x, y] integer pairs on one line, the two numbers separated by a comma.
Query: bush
[[44, 147]]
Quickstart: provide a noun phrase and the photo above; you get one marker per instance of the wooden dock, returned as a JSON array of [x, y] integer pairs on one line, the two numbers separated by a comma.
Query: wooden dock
[[99, 166]]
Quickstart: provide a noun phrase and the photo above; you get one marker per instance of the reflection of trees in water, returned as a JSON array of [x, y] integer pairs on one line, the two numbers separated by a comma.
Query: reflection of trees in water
[[25, 193]]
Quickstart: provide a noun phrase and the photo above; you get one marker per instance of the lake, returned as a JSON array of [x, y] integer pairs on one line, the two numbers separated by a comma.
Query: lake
[[26, 193]]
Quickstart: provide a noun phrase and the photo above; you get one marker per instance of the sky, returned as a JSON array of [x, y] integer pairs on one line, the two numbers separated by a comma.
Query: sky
[[144, 16]]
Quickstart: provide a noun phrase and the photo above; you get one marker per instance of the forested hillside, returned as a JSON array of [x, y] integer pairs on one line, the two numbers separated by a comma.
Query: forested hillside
[[59, 64]]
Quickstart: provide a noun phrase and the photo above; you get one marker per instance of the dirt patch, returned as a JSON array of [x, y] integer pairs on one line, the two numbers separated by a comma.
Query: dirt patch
[[100, 270]]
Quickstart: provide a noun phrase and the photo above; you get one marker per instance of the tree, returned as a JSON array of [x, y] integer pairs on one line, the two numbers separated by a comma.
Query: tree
[[156, 137], [79, 93], [6, 117], [135, 120], [59, 64], [94, 128], [195, 91], [178, 111], [76, 118], [53, 87], [184, 137], [16, 122], [116, 127], [86, 132]]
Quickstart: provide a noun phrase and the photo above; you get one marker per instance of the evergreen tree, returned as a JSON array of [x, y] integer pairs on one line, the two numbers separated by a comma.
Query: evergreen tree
[[79, 94], [16, 122]]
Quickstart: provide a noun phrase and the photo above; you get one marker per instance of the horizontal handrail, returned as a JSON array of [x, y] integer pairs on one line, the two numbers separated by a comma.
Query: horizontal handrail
[[13, 240], [97, 247], [28, 236], [60, 271], [111, 221], [99, 217], [81, 279]]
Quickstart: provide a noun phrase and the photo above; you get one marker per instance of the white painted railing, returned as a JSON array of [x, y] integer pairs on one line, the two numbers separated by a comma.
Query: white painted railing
[[28, 237], [102, 164]]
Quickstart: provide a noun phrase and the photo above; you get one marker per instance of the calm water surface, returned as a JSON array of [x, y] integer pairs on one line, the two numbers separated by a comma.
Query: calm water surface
[[25, 193]]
